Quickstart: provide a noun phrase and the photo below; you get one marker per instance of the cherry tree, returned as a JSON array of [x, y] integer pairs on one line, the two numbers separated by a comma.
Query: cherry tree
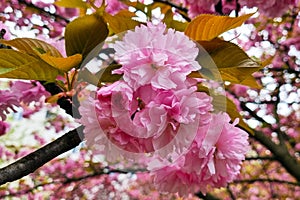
[[150, 99]]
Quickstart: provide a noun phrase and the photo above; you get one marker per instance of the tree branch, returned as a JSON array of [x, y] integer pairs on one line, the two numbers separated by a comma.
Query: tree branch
[[206, 197], [66, 181], [261, 158], [182, 11], [31, 5], [280, 154], [247, 181], [172, 5], [38, 158]]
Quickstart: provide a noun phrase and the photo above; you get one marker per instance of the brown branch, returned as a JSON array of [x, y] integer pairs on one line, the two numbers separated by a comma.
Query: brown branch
[[38, 158]]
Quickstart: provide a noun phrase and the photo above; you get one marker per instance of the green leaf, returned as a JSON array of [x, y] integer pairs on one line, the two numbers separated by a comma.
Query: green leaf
[[207, 27], [32, 46], [228, 60], [71, 4], [18, 65], [121, 22], [85, 33]]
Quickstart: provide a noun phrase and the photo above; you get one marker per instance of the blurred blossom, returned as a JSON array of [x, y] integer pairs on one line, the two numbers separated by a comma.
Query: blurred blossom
[[4, 127], [20, 94], [112, 6], [28, 91], [240, 90], [297, 147], [270, 8], [4, 31], [7, 102], [58, 43], [196, 7]]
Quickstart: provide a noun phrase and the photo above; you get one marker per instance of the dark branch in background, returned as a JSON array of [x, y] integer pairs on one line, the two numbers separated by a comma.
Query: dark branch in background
[[280, 151], [206, 197], [237, 9], [247, 181], [280, 154], [172, 5], [31, 5], [38, 158], [67, 181], [261, 158], [219, 8], [230, 192], [179, 8]]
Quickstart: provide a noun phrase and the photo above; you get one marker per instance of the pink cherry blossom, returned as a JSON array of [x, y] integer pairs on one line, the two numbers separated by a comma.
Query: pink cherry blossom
[[240, 90], [197, 7], [213, 159], [112, 6], [271, 8], [155, 55], [28, 91], [4, 127], [6, 32], [7, 102], [148, 118]]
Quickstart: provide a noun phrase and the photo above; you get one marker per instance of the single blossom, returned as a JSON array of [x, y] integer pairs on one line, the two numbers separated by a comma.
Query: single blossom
[[155, 55], [213, 159]]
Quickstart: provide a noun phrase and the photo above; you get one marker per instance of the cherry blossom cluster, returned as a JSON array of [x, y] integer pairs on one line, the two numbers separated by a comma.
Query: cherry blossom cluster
[[156, 113], [20, 94]]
